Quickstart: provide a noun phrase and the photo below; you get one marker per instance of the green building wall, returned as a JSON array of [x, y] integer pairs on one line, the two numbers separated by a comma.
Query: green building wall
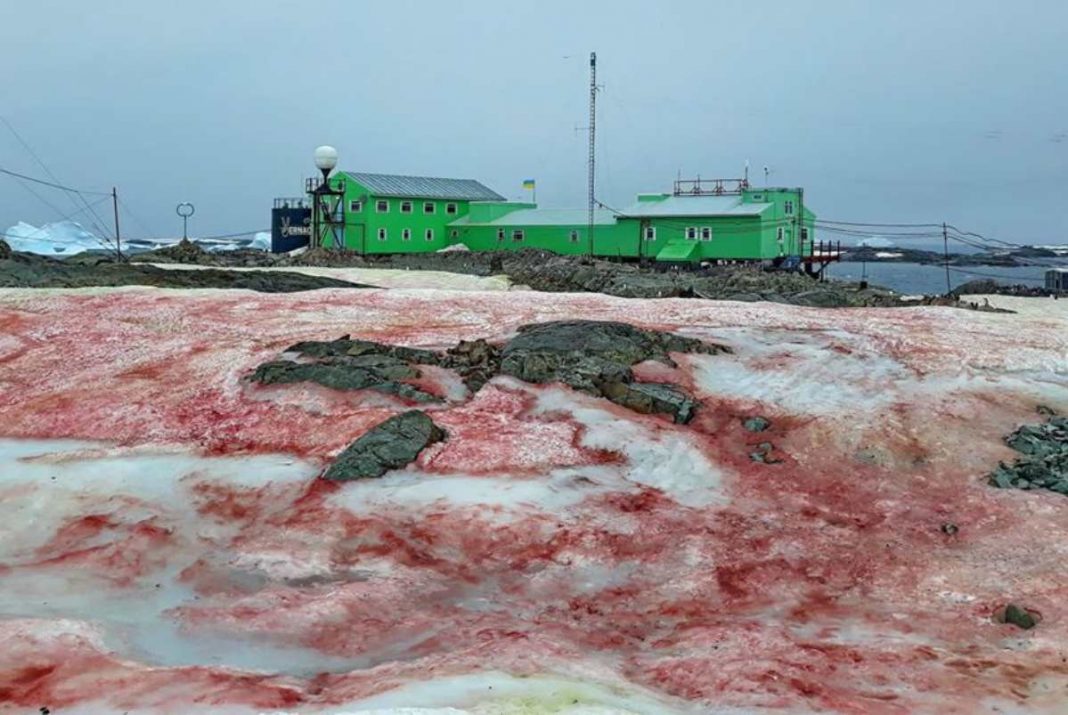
[[484, 226], [362, 226]]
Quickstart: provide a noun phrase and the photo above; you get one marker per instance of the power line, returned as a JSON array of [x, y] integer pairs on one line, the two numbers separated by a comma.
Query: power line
[[61, 187]]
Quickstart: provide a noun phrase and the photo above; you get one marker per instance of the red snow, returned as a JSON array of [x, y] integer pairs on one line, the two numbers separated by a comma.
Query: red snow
[[825, 583]]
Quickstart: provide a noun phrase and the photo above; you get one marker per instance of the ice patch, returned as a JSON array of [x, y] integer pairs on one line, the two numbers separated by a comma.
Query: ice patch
[[667, 459], [802, 374], [506, 496], [497, 693], [63, 238]]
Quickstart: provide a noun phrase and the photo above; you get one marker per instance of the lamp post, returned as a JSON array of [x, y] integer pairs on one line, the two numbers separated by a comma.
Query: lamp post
[[326, 201], [185, 210]]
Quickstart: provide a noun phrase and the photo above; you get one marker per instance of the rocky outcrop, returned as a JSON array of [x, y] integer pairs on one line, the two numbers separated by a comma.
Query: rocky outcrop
[[25, 270], [588, 355], [378, 373], [346, 347], [596, 357], [476, 361], [1043, 463], [388, 445], [5, 251]]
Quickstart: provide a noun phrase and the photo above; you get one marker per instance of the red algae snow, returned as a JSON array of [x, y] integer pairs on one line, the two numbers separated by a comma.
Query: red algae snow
[[168, 545]]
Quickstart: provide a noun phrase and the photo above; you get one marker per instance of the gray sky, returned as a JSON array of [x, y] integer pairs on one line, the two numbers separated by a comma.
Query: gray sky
[[897, 111]]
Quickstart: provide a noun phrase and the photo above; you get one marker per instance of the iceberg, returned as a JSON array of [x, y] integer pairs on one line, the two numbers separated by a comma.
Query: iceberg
[[63, 238]]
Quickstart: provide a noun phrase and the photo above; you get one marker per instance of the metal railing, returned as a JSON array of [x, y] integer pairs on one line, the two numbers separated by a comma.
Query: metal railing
[[710, 187]]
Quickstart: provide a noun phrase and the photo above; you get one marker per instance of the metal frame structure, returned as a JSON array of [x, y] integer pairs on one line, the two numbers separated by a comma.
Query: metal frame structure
[[709, 187], [328, 211]]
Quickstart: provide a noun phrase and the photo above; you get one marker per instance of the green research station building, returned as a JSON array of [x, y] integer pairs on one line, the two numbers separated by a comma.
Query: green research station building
[[700, 220]]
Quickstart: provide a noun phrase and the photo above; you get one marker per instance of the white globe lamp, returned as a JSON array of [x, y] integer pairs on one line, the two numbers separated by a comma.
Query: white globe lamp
[[326, 159]]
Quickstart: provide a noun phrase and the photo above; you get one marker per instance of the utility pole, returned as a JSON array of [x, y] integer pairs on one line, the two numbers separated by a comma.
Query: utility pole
[[115, 207], [945, 253], [593, 139]]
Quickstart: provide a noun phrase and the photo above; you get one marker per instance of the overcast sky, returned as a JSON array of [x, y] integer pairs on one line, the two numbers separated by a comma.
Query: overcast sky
[[891, 112]]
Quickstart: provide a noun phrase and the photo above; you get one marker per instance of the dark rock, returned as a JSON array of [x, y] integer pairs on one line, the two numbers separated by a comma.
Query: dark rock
[[819, 299], [1017, 616], [764, 454], [24, 270], [596, 357], [757, 424], [5, 250], [949, 528], [1043, 463], [592, 356], [649, 398], [341, 376], [389, 445], [475, 360], [347, 347]]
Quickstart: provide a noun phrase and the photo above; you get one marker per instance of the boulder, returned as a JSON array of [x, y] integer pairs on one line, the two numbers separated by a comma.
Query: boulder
[[596, 357], [347, 347], [340, 375], [475, 360], [5, 250], [756, 424], [649, 398], [1043, 463], [388, 445]]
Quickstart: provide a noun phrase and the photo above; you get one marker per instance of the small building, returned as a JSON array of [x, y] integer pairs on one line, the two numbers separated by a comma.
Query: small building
[[390, 213], [1057, 280]]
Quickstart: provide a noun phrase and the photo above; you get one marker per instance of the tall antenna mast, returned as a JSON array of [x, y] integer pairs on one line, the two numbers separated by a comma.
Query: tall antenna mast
[[593, 144]]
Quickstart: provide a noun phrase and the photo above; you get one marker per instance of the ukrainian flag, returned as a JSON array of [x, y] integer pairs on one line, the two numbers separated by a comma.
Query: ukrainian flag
[[528, 184]]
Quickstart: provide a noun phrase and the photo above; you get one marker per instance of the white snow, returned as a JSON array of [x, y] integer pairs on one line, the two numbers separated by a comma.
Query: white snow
[[414, 489], [666, 459], [497, 693], [381, 277], [63, 238]]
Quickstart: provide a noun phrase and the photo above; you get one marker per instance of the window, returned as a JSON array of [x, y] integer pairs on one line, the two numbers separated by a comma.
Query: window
[[381, 234], [355, 206], [574, 237], [450, 209], [455, 233], [706, 233], [779, 235], [804, 234], [500, 234], [430, 234], [406, 234], [789, 208], [406, 207], [517, 235], [382, 206], [758, 197], [691, 233], [428, 207], [650, 233]]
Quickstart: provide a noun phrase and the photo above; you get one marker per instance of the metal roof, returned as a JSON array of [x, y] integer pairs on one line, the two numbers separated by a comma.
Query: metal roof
[[543, 217], [694, 206], [424, 187]]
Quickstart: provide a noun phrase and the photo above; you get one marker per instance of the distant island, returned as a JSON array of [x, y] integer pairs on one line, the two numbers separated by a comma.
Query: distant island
[[1022, 256]]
